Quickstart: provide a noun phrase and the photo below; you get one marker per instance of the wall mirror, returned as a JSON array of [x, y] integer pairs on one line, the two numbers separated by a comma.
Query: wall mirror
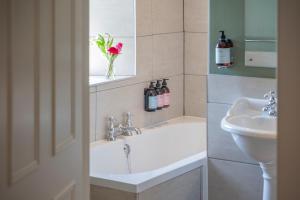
[[112, 19], [261, 33], [252, 26]]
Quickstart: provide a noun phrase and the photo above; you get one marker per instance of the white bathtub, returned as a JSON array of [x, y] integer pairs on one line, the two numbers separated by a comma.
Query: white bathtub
[[159, 154]]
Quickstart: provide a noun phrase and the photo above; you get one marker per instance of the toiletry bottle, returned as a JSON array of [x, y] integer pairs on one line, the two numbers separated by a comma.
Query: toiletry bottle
[[230, 45], [160, 97], [222, 52], [150, 98], [166, 93]]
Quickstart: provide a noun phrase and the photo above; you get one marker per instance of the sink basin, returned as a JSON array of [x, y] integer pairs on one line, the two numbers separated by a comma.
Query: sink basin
[[255, 133], [245, 117]]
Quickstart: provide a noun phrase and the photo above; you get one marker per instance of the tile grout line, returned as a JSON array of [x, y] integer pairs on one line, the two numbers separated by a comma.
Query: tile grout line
[[152, 58], [234, 161], [184, 58]]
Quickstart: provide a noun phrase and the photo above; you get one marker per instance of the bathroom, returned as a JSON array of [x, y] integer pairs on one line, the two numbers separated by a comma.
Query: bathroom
[[149, 100], [173, 42]]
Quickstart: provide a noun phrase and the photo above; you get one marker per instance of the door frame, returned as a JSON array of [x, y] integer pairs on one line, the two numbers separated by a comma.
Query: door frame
[[85, 101]]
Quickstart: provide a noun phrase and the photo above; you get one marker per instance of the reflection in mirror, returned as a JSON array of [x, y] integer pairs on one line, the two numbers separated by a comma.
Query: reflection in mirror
[[117, 19], [261, 33]]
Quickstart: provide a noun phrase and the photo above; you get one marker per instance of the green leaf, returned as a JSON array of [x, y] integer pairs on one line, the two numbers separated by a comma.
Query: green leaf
[[103, 50], [110, 43], [100, 41], [101, 38]]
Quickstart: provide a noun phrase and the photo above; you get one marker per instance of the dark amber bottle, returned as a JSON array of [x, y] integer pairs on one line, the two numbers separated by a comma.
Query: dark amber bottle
[[223, 52], [230, 45]]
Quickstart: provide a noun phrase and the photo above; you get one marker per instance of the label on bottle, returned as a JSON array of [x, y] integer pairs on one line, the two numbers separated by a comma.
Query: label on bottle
[[160, 101], [223, 55], [152, 102], [167, 99]]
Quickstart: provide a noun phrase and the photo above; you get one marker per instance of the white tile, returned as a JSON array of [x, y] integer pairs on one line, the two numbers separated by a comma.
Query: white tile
[[196, 15], [144, 17], [196, 53], [195, 96], [93, 110], [167, 16], [168, 55], [226, 89], [234, 181]]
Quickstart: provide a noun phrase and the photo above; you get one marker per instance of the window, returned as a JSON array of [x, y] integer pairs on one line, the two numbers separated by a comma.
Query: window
[[117, 18]]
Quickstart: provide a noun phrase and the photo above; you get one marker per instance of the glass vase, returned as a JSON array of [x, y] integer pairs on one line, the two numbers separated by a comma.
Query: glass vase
[[110, 73]]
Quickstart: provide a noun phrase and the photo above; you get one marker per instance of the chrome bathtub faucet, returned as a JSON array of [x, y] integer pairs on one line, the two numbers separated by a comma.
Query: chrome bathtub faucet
[[271, 107], [126, 129]]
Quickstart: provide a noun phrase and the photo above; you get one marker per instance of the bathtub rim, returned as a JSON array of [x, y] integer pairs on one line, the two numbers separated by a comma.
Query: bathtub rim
[[170, 122]]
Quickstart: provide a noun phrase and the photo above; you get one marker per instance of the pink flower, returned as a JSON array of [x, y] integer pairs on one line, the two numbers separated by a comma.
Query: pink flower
[[113, 51], [116, 50], [119, 46]]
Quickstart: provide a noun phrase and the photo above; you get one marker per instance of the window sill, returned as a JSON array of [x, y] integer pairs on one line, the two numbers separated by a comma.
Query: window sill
[[102, 80]]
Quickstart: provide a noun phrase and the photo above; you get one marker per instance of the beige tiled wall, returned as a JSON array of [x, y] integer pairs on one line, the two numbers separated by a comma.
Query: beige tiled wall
[[196, 16], [195, 95], [196, 56], [160, 53]]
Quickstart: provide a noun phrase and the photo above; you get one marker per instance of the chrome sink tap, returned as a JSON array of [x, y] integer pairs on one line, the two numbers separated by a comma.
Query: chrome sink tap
[[271, 107], [116, 129]]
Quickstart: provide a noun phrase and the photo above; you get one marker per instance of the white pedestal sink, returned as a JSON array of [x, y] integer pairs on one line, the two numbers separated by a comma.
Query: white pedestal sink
[[255, 134]]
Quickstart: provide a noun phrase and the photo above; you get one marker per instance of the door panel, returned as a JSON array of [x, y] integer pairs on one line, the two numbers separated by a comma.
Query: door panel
[[23, 90], [64, 60], [43, 124]]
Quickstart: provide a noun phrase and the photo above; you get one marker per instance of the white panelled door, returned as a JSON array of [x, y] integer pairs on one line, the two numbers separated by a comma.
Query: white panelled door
[[43, 100]]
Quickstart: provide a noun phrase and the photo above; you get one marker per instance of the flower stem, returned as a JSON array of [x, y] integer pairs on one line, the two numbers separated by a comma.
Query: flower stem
[[110, 72]]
